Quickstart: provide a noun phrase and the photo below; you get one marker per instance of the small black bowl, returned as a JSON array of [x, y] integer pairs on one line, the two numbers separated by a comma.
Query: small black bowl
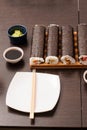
[[17, 40]]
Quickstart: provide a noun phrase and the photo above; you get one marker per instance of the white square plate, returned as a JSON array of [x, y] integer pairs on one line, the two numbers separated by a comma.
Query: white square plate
[[47, 92]]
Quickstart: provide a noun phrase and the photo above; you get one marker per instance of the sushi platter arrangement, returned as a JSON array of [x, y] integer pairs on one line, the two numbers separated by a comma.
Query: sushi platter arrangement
[[59, 47]]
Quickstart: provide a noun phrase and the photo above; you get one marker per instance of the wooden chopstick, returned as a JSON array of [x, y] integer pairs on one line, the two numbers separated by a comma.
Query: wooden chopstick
[[33, 95]]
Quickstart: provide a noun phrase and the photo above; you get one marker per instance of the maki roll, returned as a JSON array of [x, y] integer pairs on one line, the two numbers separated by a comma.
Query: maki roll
[[67, 45], [82, 43], [52, 44], [38, 45]]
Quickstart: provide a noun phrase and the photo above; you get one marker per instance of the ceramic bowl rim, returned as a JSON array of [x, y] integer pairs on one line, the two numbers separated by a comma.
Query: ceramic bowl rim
[[14, 60]]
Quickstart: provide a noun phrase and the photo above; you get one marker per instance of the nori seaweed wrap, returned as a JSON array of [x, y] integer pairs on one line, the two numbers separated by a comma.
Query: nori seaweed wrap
[[67, 45], [82, 43], [52, 44], [38, 42]]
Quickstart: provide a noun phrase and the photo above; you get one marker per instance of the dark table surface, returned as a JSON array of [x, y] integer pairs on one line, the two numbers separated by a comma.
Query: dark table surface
[[70, 111]]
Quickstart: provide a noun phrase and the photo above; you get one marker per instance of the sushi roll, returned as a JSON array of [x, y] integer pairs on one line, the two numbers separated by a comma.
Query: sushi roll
[[52, 44], [38, 42], [82, 43], [67, 45]]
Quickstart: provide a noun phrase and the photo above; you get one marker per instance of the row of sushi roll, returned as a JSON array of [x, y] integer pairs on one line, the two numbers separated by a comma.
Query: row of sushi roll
[[38, 44], [52, 48]]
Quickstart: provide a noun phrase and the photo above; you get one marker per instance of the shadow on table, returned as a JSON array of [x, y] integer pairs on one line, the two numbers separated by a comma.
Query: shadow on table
[[16, 66]]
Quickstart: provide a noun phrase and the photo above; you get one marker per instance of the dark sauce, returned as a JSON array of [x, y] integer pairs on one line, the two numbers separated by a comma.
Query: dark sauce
[[13, 54], [86, 76]]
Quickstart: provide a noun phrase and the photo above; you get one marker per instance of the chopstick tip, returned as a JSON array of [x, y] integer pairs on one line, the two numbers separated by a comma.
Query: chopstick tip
[[31, 115]]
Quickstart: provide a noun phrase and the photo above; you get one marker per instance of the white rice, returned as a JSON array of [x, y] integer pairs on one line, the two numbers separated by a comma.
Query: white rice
[[67, 59], [83, 59], [36, 60], [51, 60]]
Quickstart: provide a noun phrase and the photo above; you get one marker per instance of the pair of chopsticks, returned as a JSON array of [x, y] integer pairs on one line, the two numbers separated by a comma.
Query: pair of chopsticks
[[33, 95]]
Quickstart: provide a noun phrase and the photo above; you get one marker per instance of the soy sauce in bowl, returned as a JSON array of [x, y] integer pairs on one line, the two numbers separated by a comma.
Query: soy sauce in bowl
[[13, 54]]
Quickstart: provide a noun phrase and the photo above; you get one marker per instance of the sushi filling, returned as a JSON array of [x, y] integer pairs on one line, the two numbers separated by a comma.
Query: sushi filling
[[67, 60], [83, 59], [36, 60], [51, 60]]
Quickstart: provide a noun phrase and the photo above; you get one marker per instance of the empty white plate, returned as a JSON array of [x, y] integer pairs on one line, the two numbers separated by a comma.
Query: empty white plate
[[47, 92]]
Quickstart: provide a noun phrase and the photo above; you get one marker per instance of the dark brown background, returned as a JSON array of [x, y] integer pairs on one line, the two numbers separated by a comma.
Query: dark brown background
[[71, 110]]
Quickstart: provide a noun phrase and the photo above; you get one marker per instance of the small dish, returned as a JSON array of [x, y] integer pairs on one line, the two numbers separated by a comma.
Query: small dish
[[17, 34], [85, 76], [13, 54]]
